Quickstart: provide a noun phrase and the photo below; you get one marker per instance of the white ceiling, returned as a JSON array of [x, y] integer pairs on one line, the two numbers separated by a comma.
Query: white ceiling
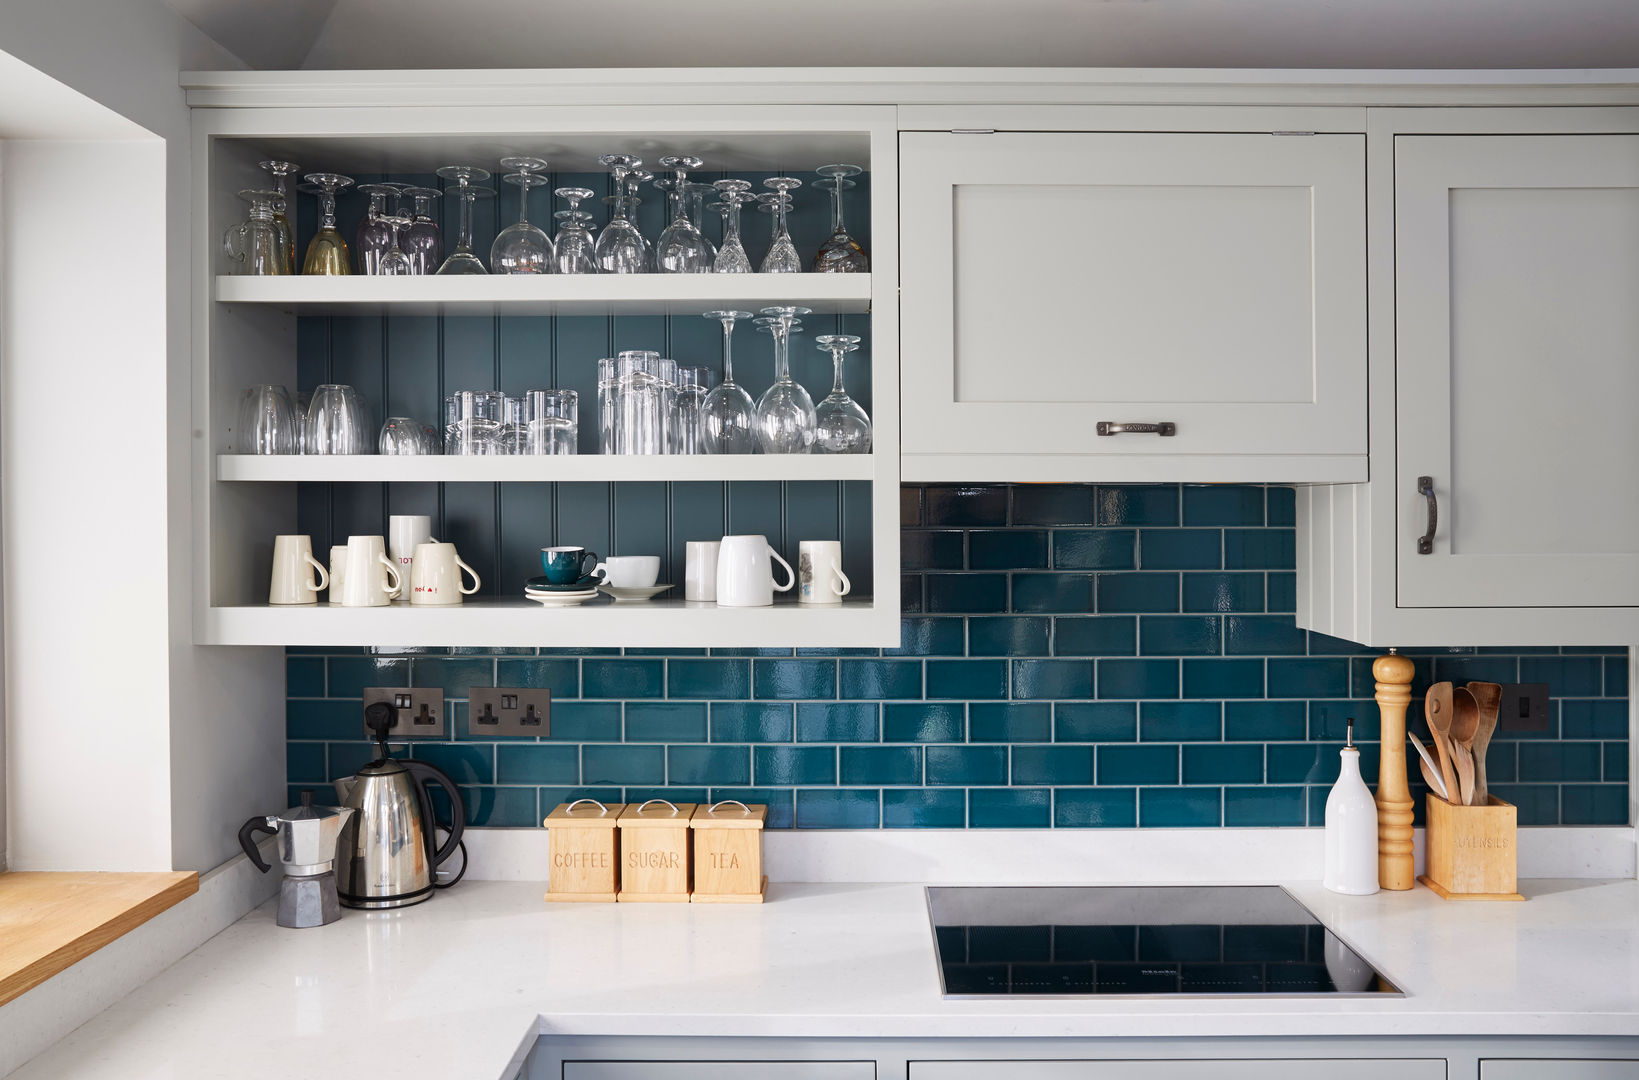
[[335, 34]]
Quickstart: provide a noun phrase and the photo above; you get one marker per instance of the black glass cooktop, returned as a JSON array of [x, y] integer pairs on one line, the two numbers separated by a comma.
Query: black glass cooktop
[[1109, 940]]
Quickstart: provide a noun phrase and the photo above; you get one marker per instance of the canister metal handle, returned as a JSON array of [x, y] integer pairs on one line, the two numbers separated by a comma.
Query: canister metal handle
[[712, 809], [651, 802], [570, 809]]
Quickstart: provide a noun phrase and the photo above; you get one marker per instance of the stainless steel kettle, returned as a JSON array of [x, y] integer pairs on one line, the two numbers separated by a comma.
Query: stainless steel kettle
[[387, 855]]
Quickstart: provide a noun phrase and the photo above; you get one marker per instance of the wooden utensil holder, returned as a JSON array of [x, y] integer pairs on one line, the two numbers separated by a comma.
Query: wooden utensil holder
[[584, 851], [728, 853], [654, 853], [1472, 851]]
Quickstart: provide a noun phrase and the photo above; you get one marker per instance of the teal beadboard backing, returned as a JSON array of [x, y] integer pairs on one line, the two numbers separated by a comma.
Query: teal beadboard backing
[[1072, 656]]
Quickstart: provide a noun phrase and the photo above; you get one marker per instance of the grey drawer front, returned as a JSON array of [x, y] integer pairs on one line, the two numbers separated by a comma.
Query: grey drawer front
[[1558, 1069], [1201, 1069], [719, 1070]]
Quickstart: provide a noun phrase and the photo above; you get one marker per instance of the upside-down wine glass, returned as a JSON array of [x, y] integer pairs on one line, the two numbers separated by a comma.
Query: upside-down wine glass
[[422, 240], [728, 416], [576, 251], [695, 194], [841, 253], [682, 248], [782, 257], [840, 425], [731, 256], [620, 247], [374, 236], [521, 248], [785, 412], [327, 251], [281, 171], [394, 262], [462, 260]]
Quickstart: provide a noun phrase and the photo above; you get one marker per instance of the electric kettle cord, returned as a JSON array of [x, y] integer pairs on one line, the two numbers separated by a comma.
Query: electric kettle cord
[[462, 844]]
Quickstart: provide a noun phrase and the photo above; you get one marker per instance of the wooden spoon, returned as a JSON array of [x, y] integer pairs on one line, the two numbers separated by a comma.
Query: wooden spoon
[[1438, 709], [1465, 721], [1488, 696]]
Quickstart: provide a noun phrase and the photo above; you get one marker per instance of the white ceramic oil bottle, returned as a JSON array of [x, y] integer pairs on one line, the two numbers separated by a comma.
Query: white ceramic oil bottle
[[1351, 828]]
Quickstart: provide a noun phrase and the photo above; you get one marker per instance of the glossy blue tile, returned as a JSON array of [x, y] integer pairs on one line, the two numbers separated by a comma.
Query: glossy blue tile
[[1566, 676], [346, 758], [786, 766], [1535, 804], [304, 677], [1163, 808], [1137, 765], [903, 723], [640, 795], [1616, 676], [1008, 635], [924, 808], [1224, 763], [1007, 549], [502, 807], [912, 594], [1009, 808], [1559, 762], [927, 550], [466, 763], [929, 637], [537, 763], [1138, 592], [1095, 721], [1226, 592], [1180, 721], [1052, 593], [454, 677], [1095, 635], [1120, 678], [585, 721], [966, 766], [1013, 722], [1302, 763], [560, 676], [1052, 766], [304, 764], [845, 721], [910, 505], [1264, 635], [623, 678], [309, 719], [1311, 678], [1223, 504], [1095, 549], [1593, 804], [1149, 505], [1180, 549], [349, 675], [665, 721], [1282, 592], [713, 766], [964, 505], [780, 802], [1260, 549], [1616, 762], [708, 679], [1329, 720], [966, 594], [752, 721], [1223, 678], [1326, 645], [1263, 807], [1502, 669], [1086, 808], [1052, 679], [627, 764], [838, 808], [967, 679], [880, 679], [795, 679], [1055, 504], [881, 766], [1265, 721], [1281, 506], [1180, 635]]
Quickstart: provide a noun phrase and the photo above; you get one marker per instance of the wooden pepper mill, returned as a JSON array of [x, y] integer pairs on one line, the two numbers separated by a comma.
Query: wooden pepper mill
[[1395, 869]]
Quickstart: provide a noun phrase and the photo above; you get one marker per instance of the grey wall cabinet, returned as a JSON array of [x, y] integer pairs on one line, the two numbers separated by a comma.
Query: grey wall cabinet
[[1194, 1069]]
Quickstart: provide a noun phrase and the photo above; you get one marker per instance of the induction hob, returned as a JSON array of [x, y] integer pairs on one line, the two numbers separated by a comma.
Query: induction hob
[[1183, 940]]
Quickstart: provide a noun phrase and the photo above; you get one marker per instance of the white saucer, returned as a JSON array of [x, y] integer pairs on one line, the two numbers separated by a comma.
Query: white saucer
[[559, 599], [631, 593]]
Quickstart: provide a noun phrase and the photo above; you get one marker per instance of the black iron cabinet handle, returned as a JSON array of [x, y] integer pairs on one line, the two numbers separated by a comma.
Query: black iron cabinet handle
[[1425, 488]]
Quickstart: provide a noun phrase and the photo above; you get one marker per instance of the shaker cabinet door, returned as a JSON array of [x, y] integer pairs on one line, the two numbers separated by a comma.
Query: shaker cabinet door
[[1517, 370], [1053, 282]]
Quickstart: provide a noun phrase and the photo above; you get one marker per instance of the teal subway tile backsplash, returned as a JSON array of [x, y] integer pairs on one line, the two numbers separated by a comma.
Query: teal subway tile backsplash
[[1072, 656]]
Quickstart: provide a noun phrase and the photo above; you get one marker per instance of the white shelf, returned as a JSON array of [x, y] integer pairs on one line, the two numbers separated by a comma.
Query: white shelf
[[550, 294], [515, 621], [593, 468]]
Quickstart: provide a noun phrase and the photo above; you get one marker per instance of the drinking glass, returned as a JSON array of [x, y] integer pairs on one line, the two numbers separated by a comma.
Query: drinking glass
[[695, 195], [840, 425], [267, 424], [521, 248], [782, 257], [327, 251], [475, 422], [841, 253], [254, 245], [693, 384], [644, 387], [462, 260], [554, 421], [785, 412], [682, 248], [728, 417], [576, 252], [281, 171], [402, 436], [335, 421], [514, 427], [731, 256], [394, 263], [621, 248], [422, 240], [375, 237], [606, 405]]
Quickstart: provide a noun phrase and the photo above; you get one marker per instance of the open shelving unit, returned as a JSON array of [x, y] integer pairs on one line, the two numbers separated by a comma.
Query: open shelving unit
[[575, 468]]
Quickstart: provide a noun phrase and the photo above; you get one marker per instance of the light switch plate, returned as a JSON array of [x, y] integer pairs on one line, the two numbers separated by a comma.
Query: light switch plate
[[1524, 707], [509, 711], [420, 710]]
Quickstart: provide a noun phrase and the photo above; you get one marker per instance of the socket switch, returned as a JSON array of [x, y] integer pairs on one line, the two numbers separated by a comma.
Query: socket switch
[[1524, 707], [420, 710], [509, 711]]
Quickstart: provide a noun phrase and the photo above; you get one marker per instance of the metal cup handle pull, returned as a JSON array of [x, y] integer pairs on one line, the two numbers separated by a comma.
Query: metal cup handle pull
[[1425, 488]]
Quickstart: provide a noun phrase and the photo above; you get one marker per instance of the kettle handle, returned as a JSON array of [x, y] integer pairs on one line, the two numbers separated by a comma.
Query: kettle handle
[[426, 773], [247, 832]]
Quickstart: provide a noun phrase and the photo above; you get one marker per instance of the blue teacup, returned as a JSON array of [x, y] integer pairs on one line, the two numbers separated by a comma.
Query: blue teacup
[[567, 565]]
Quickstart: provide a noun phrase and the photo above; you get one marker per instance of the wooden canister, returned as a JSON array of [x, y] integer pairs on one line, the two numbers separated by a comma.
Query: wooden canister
[[654, 852], [585, 851], [728, 853], [1472, 850]]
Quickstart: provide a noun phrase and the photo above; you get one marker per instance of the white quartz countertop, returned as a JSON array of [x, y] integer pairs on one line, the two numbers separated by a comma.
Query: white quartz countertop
[[460, 986]]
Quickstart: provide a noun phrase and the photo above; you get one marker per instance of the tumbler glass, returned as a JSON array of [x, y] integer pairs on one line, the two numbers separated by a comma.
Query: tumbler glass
[[402, 436], [267, 424], [554, 421], [688, 427], [645, 384], [606, 405], [475, 422], [335, 421]]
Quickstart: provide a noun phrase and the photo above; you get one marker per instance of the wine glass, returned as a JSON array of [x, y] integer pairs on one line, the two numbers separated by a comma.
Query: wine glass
[[682, 248], [422, 240], [462, 260], [785, 412], [394, 263], [327, 251], [695, 194], [620, 248], [841, 253], [254, 245], [576, 252], [521, 248], [375, 237], [782, 257], [728, 417], [840, 425], [280, 171], [731, 256]]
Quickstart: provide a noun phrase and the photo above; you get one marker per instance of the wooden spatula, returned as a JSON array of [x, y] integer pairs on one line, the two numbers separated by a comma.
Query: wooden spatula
[[1438, 709], [1465, 721], [1488, 696]]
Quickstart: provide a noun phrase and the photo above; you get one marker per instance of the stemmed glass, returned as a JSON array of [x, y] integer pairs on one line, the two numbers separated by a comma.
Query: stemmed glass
[[696, 196], [253, 244], [728, 418], [682, 248], [394, 263], [732, 257], [521, 248], [375, 237], [782, 257], [621, 248], [785, 412], [840, 425], [422, 240], [327, 251], [462, 260], [576, 253], [841, 253], [280, 170]]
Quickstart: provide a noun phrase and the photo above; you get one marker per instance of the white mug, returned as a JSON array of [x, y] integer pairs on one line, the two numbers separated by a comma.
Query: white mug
[[293, 567], [629, 571], [371, 578], [744, 576], [338, 571], [700, 569], [435, 575], [405, 533], [820, 579]]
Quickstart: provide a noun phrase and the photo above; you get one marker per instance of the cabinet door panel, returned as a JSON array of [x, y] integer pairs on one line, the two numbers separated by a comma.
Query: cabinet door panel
[[719, 1070], [1054, 280], [1517, 260], [1537, 1068], [1243, 1069]]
